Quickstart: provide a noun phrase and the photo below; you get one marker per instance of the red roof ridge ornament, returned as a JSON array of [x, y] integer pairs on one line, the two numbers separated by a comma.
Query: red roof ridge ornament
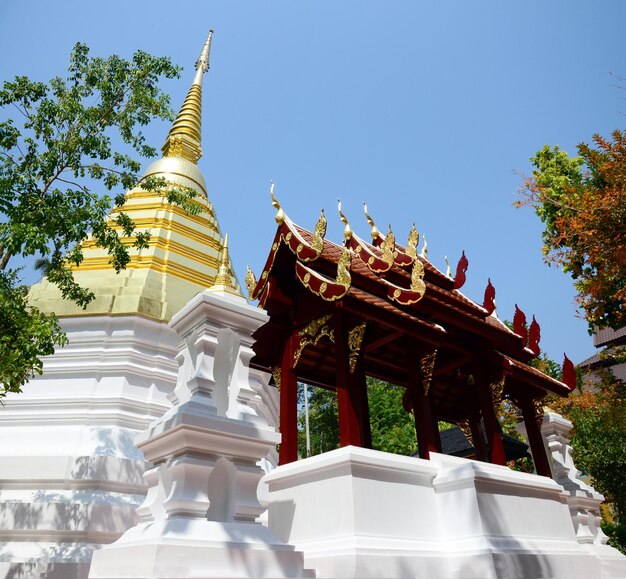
[[534, 336], [519, 324], [326, 288], [374, 262], [415, 293], [461, 268], [569, 373], [489, 302]]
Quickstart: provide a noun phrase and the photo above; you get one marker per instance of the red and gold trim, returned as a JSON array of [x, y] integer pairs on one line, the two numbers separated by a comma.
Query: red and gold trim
[[255, 289], [326, 288], [321, 286], [374, 262], [296, 243]]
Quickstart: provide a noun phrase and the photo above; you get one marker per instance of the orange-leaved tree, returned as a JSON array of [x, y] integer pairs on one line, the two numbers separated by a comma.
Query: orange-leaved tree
[[582, 203]]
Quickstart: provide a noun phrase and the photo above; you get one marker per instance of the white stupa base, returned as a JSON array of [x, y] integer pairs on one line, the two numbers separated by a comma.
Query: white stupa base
[[362, 513], [197, 549], [52, 560]]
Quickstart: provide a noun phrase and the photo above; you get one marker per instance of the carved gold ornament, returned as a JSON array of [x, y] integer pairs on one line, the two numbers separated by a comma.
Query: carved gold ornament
[[411, 244], [417, 277], [538, 406], [343, 268], [276, 375], [319, 232], [427, 365], [312, 333], [251, 281], [464, 425], [388, 247], [497, 392], [355, 339]]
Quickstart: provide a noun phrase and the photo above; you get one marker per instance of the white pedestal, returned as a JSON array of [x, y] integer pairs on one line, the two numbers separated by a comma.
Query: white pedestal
[[199, 516], [362, 513]]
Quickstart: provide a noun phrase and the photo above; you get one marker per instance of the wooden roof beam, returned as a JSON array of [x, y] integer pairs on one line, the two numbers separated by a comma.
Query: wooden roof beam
[[392, 337]]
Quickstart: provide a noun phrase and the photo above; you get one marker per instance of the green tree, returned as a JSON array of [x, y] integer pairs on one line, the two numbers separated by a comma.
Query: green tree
[[70, 134], [393, 429], [582, 203]]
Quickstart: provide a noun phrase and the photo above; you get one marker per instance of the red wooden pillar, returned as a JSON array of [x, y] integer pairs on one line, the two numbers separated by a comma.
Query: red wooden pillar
[[288, 405], [425, 424], [478, 439], [360, 384], [351, 402], [495, 447], [535, 439]]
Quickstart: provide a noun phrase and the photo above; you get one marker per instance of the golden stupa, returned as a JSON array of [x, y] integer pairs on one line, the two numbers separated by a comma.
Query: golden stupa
[[186, 252]]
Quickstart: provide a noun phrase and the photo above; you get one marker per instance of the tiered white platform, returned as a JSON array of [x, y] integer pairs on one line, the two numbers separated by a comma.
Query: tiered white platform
[[70, 474], [361, 513]]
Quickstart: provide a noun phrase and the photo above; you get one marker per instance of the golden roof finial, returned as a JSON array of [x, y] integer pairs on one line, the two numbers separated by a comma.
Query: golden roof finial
[[223, 280], [424, 252], [280, 213], [184, 139], [374, 232], [347, 230]]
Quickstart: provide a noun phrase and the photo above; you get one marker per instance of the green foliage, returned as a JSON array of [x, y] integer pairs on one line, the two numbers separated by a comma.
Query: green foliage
[[27, 334], [393, 429], [616, 535], [65, 143], [599, 444], [323, 421]]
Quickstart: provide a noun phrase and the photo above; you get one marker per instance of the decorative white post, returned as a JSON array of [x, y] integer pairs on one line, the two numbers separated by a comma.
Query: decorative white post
[[583, 500], [199, 516]]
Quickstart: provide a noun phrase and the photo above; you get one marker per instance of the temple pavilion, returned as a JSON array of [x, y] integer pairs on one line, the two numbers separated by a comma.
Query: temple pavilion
[[340, 313]]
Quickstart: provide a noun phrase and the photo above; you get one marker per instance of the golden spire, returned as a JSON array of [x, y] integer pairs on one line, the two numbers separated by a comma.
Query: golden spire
[[184, 138], [224, 280]]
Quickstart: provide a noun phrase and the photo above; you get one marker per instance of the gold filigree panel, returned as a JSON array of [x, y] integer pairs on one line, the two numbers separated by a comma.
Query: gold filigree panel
[[355, 340], [427, 365], [312, 333]]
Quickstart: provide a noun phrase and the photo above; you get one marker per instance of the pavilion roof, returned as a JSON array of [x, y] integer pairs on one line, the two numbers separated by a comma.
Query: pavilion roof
[[398, 293]]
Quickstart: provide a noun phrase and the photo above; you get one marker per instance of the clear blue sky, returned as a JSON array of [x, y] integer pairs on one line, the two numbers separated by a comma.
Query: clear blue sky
[[429, 111]]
